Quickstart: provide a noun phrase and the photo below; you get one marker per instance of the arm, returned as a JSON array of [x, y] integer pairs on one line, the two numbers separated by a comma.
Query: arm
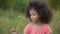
[[27, 29], [48, 30]]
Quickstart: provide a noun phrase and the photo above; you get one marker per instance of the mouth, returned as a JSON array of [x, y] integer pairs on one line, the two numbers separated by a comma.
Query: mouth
[[34, 21]]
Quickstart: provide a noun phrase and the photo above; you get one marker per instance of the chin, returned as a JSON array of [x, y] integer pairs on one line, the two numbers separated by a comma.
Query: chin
[[34, 21]]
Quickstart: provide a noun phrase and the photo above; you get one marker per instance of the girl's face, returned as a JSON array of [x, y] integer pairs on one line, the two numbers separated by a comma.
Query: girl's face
[[34, 15]]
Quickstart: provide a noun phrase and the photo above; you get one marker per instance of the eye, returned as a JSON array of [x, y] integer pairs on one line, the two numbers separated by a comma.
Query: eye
[[33, 14]]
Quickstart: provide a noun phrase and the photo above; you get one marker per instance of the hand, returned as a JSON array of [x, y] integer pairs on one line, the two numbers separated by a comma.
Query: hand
[[14, 31]]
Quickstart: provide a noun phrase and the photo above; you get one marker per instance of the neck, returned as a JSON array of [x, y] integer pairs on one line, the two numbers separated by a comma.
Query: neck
[[37, 22]]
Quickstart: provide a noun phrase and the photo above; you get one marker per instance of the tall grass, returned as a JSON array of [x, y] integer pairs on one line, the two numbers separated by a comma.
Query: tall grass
[[8, 19]]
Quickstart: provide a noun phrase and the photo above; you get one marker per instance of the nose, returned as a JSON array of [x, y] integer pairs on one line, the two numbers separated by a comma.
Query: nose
[[32, 17]]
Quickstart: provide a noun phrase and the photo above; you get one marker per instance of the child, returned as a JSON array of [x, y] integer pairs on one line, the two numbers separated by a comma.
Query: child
[[40, 16]]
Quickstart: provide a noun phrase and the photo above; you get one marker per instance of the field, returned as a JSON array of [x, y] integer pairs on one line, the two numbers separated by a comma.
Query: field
[[10, 18]]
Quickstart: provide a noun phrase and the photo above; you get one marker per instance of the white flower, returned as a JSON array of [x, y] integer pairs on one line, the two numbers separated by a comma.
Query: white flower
[[19, 17]]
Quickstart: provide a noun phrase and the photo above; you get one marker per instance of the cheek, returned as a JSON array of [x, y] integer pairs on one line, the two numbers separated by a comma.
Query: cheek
[[34, 17]]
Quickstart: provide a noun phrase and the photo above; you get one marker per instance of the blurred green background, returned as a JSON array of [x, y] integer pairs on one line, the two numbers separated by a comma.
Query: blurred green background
[[12, 13]]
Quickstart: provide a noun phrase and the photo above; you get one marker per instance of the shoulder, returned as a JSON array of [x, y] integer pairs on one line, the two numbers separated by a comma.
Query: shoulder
[[47, 28], [29, 24], [28, 28]]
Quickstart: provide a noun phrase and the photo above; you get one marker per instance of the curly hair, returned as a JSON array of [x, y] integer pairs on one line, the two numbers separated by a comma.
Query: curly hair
[[42, 9]]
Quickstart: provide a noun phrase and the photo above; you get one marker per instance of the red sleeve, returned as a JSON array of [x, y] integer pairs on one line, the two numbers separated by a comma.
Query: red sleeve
[[48, 30], [27, 29]]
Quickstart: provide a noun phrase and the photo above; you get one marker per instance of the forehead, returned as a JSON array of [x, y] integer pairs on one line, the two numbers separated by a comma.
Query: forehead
[[33, 11]]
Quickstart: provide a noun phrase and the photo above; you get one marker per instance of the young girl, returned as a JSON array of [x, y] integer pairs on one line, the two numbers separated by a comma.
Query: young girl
[[40, 16]]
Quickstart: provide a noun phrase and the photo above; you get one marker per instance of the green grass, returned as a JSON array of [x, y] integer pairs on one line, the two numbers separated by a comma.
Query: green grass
[[8, 19], [55, 23]]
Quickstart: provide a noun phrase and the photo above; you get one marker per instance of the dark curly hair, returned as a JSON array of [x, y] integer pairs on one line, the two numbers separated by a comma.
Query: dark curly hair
[[42, 9]]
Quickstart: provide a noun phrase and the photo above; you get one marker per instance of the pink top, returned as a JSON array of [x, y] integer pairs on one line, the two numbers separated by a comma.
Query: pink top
[[44, 29]]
